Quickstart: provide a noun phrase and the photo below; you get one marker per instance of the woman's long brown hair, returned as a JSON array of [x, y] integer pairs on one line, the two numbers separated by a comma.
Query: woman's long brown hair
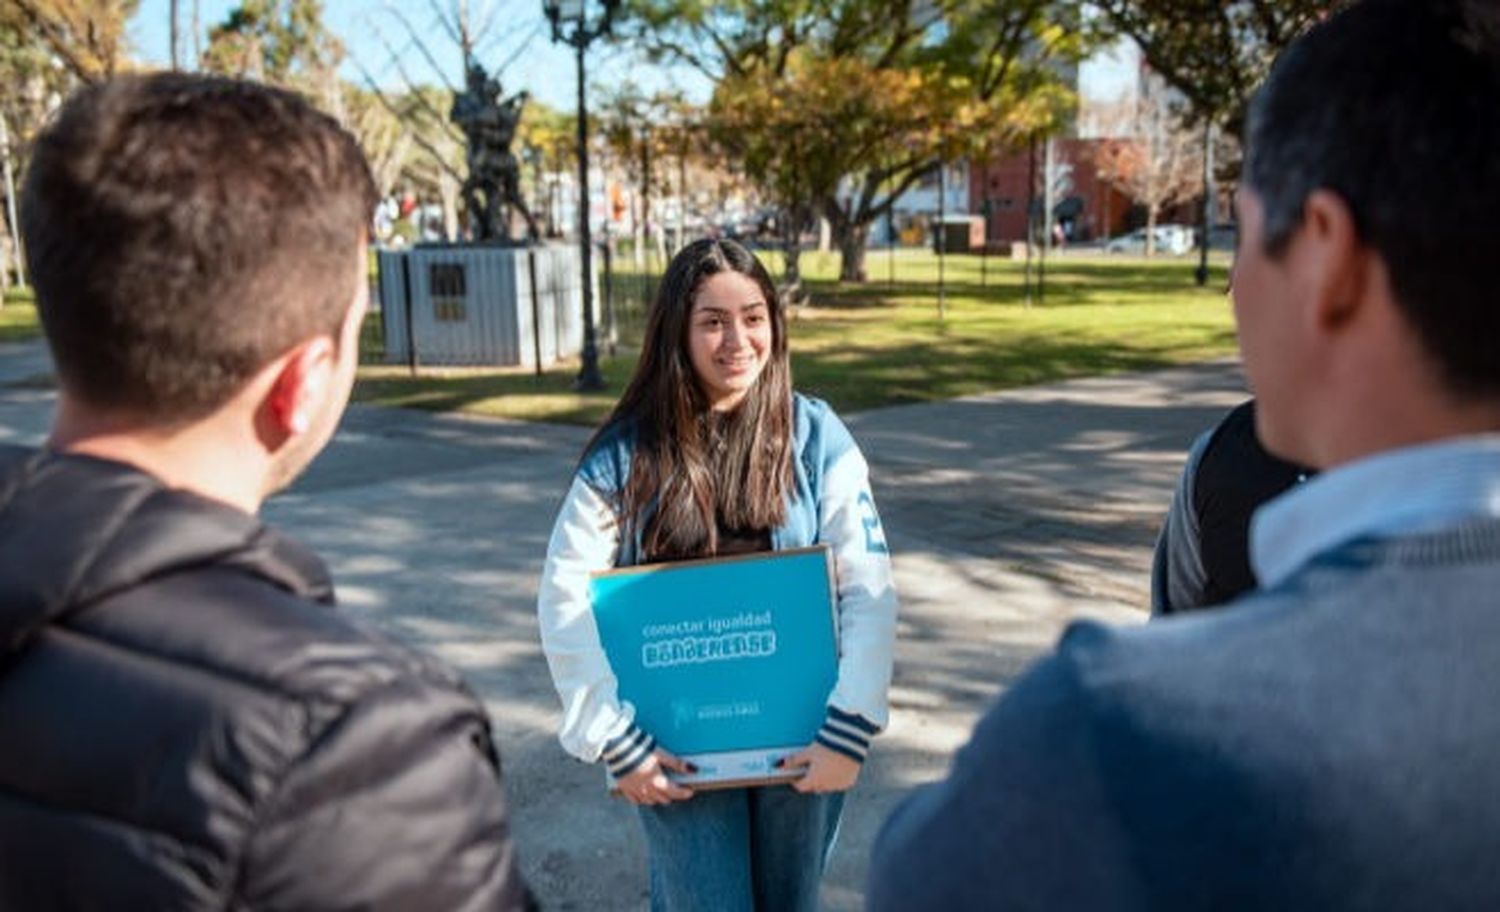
[[692, 468]]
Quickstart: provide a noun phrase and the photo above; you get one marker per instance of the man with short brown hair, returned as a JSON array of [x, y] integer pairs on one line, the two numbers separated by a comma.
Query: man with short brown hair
[[187, 723]]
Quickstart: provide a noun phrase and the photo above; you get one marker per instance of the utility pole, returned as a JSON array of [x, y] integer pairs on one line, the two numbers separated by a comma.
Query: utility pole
[[1206, 217], [646, 140], [172, 30], [1048, 178], [942, 238], [890, 238], [984, 249], [1030, 212]]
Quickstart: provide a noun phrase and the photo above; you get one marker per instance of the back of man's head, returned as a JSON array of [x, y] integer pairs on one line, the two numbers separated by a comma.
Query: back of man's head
[[182, 232], [1394, 105]]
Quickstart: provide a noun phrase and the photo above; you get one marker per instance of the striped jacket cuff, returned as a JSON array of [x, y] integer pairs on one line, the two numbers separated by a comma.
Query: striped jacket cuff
[[847, 733], [627, 750]]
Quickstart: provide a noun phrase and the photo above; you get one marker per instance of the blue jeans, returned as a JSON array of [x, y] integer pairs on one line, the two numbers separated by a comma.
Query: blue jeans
[[741, 850]]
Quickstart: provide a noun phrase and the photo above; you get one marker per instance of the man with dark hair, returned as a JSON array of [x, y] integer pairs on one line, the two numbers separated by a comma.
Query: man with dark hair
[[187, 723], [1329, 742]]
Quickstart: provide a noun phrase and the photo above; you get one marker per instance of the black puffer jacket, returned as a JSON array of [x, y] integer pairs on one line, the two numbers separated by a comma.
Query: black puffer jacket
[[185, 723]]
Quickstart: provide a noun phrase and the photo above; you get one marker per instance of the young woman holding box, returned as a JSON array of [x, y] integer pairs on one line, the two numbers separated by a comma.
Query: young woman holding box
[[708, 453]]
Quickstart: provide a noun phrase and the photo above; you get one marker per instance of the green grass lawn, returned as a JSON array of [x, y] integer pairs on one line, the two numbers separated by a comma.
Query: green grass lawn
[[18, 320], [883, 343]]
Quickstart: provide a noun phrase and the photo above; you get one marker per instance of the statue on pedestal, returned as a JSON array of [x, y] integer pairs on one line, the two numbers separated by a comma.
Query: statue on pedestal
[[494, 179]]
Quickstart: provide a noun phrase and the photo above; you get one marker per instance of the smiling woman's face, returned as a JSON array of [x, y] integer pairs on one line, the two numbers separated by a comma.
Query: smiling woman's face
[[729, 337]]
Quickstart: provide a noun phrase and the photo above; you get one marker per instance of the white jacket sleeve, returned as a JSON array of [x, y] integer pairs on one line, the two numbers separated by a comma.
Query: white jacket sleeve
[[867, 605], [596, 725]]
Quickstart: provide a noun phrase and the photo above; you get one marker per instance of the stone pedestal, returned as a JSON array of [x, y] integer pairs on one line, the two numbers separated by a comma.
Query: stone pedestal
[[472, 304]]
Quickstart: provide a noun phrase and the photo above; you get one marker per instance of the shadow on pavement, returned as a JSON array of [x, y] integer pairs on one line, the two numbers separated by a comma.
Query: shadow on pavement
[[1008, 515]]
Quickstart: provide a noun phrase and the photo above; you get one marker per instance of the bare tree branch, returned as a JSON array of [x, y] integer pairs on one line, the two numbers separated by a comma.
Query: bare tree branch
[[896, 192], [416, 41], [487, 21], [448, 26], [437, 156], [413, 90], [1007, 48], [726, 52], [520, 48]]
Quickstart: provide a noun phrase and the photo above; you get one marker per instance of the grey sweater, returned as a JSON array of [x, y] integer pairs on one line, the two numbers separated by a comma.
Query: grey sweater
[[1333, 743]]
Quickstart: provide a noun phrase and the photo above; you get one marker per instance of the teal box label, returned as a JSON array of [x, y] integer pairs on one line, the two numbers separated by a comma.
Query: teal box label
[[721, 655]]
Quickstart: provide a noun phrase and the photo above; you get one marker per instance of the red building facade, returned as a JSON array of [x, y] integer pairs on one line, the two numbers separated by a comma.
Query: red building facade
[[1090, 207]]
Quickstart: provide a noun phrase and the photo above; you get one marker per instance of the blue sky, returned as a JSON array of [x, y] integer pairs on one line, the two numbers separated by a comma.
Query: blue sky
[[520, 35], [1110, 72]]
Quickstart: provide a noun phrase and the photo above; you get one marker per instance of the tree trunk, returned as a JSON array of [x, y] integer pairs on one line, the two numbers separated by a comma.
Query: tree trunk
[[682, 198], [331, 93], [6, 255], [646, 191], [448, 194], [638, 233], [1150, 231], [851, 239], [825, 236], [1030, 212], [792, 292], [387, 168], [173, 33], [13, 254], [1106, 229]]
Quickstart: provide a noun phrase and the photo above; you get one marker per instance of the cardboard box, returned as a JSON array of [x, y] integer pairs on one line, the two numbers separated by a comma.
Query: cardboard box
[[728, 661]]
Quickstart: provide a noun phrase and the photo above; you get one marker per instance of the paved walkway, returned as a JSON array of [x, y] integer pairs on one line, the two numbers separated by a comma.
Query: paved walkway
[[1008, 515]]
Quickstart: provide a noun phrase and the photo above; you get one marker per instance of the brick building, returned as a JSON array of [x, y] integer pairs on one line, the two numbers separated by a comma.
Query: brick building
[[1087, 207]]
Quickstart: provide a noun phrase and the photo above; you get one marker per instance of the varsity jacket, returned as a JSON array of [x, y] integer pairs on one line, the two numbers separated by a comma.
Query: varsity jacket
[[830, 504]]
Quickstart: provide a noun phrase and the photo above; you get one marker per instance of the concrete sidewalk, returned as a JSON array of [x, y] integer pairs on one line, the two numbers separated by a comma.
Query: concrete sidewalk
[[1008, 515], [23, 361]]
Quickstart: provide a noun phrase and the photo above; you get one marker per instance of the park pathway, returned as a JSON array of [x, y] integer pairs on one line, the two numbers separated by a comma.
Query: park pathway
[[1008, 516]]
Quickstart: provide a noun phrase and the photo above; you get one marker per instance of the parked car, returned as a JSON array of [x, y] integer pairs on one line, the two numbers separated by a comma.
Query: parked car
[[752, 228], [1173, 240], [1179, 238]]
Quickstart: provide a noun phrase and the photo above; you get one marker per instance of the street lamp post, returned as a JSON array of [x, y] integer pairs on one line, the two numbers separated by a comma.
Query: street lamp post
[[1206, 217], [942, 238], [571, 25]]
